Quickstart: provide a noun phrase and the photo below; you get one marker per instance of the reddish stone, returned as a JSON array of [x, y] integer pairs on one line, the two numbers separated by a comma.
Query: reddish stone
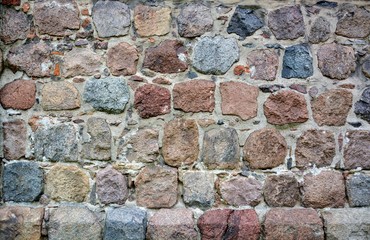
[[263, 64], [354, 22], [281, 190], [11, 2], [163, 81], [357, 150], [152, 21], [239, 70], [152, 100], [15, 25], [19, 94], [137, 79], [243, 224], [299, 88], [15, 139], [213, 224], [111, 186], [122, 59]]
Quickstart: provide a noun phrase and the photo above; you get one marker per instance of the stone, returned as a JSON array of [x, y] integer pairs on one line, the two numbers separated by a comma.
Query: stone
[[81, 61], [221, 149], [281, 190], [243, 224], [239, 99], [285, 107], [331, 108], [111, 186], [270, 88], [172, 224], [244, 22], [11, 2], [265, 148], [111, 18], [125, 223], [358, 190], [60, 96], [215, 55], [362, 106], [156, 187], [152, 100], [122, 59], [19, 94], [353, 22], [199, 188], [299, 88], [325, 189], [67, 183], [152, 21], [160, 80], [263, 64], [297, 62], [167, 57], [285, 223], [15, 25], [180, 142], [315, 147], [22, 182], [336, 61], [194, 20], [109, 95], [357, 149], [320, 31], [56, 17], [1, 61], [14, 139], [287, 23], [365, 68], [194, 96], [214, 223]]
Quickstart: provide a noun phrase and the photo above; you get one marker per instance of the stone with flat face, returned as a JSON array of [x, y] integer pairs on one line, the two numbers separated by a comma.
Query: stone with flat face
[[19, 94], [122, 59], [297, 62], [281, 190], [58, 96], [214, 223], [152, 100], [194, 20], [358, 190], [354, 22], [15, 25], [199, 188], [242, 223], [111, 186], [357, 149], [244, 22], [152, 21], [14, 139], [320, 30], [81, 61], [263, 64], [362, 106]]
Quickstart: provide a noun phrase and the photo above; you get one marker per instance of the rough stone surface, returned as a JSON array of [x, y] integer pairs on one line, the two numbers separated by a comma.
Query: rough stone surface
[[263, 64], [357, 150], [194, 20], [11, 2], [194, 96], [180, 142], [1, 61], [358, 190], [365, 68], [244, 22], [297, 62], [111, 186], [336, 61], [14, 25], [320, 31], [281, 190], [215, 55], [81, 61], [362, 106], [122, 59], [152, 100], [243, 224], [156, 187], [15, 139], [152, 21], [213, 224], [60, 96], [199, 188], [324, 190], [354, 22], [331, 108], [285, 107], [19, 94], [265, 148]]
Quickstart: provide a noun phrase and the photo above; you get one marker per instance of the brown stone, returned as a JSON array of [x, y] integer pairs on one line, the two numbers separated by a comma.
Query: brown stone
[[60, 96], [331, 108], [281, 190], [152, 100], [213, 224], [19, 94], [152, 21], [263, 64], [194, 96], [15, 139], [357, 150], [285, 107], [163, 81], [239, 99], [122, 59], [243, 224], [354, 22], [111, 186], [81, 61], [14, 25], [180, 142]]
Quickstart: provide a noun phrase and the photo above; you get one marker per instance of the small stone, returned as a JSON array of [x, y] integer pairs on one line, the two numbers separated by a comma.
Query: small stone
[[99, 145], [281, 190], [354, 22], [160, 80], [111, 186], [14, 139], [265, 148], [243, 224], [358, 190], [152, 21], [320, 31], [101, 45], [60, 96], [365, 68], [239, 70], [214, 223], [244, 22], [297, 62], [362, 106], [14, 25], [152, 100], [81, 61], [270, 88], [194, 96], [194, 20], [215, 55], [327, 4], [19, 94], [299, 88], [357, 149], [122, 59], [199, 188], [263, 64]]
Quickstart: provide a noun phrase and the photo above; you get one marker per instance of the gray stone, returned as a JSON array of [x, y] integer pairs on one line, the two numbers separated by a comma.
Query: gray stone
[[297, 62], [358, 190], [81, 61], [108, 95], [362, 106], [365, 68], [14, 25], [99, 145], [199, 188], [244, 22], [320, 31], [111, 186], [215, 55], [194, 20]]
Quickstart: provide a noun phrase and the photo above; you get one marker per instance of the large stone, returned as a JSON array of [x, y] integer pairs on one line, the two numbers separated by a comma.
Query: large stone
[[354, 22], [243, 224], [263, 64], [244, 22], [357, 150], [15, 139], [111, 186], [194, 96], [15, 25], [320, 31], [81, 61], [358, 190], [199, 188], [19, 94], [221, 149], [331, 108], [214, 223], [111, 18], [56, 17], [60, 96], [362, 106], [281, 190], [122, 59], [152, 21], [180, 142], [215, 55], [297, 62], [194, 20], [152, 100], [156, 187], [265, 148]]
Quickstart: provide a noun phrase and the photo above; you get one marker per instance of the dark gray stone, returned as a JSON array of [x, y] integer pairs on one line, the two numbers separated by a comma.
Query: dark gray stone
[[362, 106], [199, 188], [358, 190], [244, 22], [366, 68], [297, 62], [320, 31], [14, 25], [194, 20]]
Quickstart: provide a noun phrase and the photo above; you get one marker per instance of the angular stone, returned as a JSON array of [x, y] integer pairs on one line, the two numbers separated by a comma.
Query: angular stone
[[362, 106], [156, 187], [265, 148], [281, 190], [172, 224], [60, 96], [336, 61], [297, 62], [243, 224], [67, 183], [81, 61], [365, 68], [14, 139], [125, 223], [19, 94], [324, 190], [167, 57], [320, 31], [15, 25], [263, 64], [152, 21], [315, 147], [358, 190], [244, 22], [194, 20], [108, 95], [180, 142], [221, 149], [354, 22], [199, 188], [194, 96], [111, 18], [122, 59], [285, 107], [331, 108], [357, 150], [287, 23], [111, 186], [214, 223], [152, 100], [56, 17]]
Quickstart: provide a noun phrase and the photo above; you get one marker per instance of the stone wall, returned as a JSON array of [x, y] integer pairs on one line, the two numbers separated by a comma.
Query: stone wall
[[175, 120]]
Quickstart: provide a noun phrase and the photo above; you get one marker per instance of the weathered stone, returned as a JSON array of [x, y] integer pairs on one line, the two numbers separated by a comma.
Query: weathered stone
[[215, 55], [14, 139], [1, 61], [315, 147], [358, 190], [199, 188], [19, 94], [180, 142], [213, 224], [67, 183], [362, 106], [297, 62], [357, 150], [365, 68], [160, 80], [99, 145], [194, 96], [81, 61], [285, 107], [320, 31], [111, 18], [152, 21], [324, 190], [156, 187], [331, 108], [122, 59], [108, 95], [14, 25], [111, 186], [263, 64], [56, 17], [354, 22], [60, 96], [152, 100], [244, 22], [265, 148], [221, 149], [287, 23], [271, 88], [243, 224], [194, 20], [299, 88], [281, 190], [11, 2], [336, 61]]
